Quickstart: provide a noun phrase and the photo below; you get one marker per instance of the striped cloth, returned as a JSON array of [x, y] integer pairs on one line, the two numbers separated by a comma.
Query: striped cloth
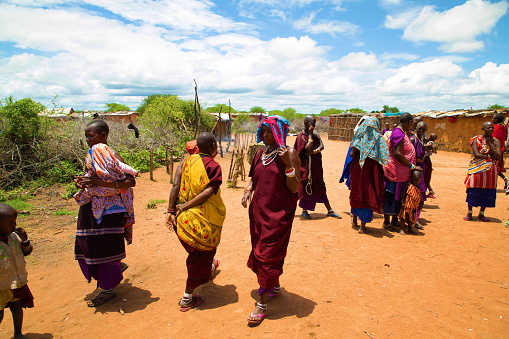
[[482, 173], [412, 201]]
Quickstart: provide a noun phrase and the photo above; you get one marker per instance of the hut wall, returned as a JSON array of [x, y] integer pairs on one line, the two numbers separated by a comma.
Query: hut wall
[[454, 134], [341, 127]]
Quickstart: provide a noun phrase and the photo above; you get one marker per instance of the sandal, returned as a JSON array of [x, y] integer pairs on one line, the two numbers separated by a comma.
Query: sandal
[[215, 265], [305, 215], [100, 299], [195, 301], [482, 218], [467, 218], [418, 226], [256, 319], [333, 214], [431, 195]]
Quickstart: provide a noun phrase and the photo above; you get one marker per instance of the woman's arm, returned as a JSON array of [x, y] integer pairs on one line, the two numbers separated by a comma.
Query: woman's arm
[[497, 149], [171, 219], [94, 181], [353, 152], [248, 194], [291, 160], [398, 153], [476, 152]]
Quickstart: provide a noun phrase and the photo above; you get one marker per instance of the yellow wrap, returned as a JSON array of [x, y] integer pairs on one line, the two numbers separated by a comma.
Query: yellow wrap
[[199, 226]]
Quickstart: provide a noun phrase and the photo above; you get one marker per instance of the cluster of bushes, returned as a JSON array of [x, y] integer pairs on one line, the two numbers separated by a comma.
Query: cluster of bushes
[[38, 151]]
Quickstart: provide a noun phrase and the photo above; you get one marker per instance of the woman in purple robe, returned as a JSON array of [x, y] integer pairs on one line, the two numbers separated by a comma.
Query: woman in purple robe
[[420, 153], [275, 179]]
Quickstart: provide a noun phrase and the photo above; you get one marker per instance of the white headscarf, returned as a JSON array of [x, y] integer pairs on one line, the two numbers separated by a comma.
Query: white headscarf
[[360, 122]]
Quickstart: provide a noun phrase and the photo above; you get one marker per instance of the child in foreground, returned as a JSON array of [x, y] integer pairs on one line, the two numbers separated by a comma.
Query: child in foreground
[[14, 291], [198, 215], [411, 203]]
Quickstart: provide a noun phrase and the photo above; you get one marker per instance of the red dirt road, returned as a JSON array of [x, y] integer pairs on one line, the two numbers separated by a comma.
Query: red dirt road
[[451, 280]]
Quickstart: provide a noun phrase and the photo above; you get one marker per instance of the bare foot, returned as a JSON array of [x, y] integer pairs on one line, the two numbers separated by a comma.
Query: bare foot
[[402, 232], [364, 229], [257, 316]]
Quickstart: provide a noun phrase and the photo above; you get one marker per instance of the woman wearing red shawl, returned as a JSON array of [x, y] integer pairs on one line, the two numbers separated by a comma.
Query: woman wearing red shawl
[[500, 133], [481, 180], [275, 179], [400, 165]]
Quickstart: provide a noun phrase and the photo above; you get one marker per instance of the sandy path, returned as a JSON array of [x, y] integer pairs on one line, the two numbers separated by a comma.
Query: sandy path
[[451, 280]]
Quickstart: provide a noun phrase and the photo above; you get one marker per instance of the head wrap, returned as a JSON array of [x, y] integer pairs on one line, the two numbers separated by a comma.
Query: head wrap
[[192, 147], [368, 140], [360, 122], [279, 127]]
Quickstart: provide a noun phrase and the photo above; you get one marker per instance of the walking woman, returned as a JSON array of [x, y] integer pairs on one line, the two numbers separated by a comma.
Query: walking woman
[[275, 179], [369, 154]]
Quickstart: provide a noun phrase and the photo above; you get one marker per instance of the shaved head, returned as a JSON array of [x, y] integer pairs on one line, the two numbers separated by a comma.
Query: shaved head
[[405, 117], [99, 126], [206, 142], [6, 210], [309, 119]]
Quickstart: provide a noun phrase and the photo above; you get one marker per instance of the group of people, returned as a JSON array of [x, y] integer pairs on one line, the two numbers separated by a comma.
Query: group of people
[[387, 173]]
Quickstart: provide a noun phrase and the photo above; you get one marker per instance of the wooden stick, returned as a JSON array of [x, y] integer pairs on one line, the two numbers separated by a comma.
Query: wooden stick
[[171, 166], [152, 164]]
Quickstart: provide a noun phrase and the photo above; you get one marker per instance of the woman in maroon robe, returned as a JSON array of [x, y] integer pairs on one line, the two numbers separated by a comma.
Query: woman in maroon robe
[[275, 179]]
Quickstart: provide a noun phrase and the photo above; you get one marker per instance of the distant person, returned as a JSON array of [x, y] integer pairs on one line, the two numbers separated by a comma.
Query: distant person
[[309, 146], [105, 217], [431, 148], [398, 169], [411, 203], [14, 246], [481, 180], [500, 133], [275, 179], [387, 128], [369, 154], [196, 213]]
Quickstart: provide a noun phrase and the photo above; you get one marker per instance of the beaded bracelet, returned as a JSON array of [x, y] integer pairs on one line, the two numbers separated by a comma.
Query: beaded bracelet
[[412, 166], [291, 173], [180, 208], [171, 210]]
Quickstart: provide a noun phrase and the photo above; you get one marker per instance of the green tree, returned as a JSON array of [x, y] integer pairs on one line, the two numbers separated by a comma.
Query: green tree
[[276, 112], [220, 107], [242, 123], [496, 106], [388, 109], [20, 119], [355, 110], [148, 100], [256, 109], [289, 113], [330, 111], [114, 107]]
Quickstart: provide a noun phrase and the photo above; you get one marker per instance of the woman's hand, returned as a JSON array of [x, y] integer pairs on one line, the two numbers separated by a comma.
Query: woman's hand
[[91, 181], [171, 220], [78, 182], [246, 198], [285, 156], [418, 168]]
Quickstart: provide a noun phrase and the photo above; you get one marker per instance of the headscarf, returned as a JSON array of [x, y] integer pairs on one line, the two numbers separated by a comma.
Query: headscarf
[[279, 127], [368, 140], [192, 147], [360, 122]]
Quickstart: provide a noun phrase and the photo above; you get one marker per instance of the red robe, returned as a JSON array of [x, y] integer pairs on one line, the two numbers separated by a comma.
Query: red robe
[[317, 183], [501, 134]]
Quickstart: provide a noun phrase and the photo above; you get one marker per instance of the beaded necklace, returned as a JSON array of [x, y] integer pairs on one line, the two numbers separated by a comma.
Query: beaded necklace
[[267, 158]]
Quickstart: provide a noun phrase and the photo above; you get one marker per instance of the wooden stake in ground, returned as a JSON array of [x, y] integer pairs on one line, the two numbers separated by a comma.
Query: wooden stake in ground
[[220, 137], [151, 164], [171, 166]]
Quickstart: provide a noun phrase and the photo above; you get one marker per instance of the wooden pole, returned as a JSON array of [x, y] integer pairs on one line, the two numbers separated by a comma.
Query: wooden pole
[[220, 136], [151, 164], [166, 161], [171, 166]]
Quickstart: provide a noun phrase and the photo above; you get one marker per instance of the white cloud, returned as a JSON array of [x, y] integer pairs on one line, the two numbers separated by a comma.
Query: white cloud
[[358, 61], [331, 27], [456, 29], [401, 56], [359, 44], [278, 13]]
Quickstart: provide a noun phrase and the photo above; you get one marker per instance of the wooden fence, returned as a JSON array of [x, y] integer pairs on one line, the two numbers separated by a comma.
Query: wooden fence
[[341, 126]]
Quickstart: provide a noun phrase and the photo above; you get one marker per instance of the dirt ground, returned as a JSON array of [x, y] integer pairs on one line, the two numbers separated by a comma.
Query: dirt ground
[[450, 280]]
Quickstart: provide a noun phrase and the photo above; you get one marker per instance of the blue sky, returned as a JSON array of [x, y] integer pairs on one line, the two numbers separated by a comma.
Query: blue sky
[[306, 54]]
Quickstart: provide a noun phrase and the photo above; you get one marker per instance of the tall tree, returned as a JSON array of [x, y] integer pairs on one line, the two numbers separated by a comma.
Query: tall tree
[[115, 107]]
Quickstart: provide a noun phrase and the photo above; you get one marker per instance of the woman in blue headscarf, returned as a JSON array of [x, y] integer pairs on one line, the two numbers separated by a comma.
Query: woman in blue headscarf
[[272, 191], [369, 154]]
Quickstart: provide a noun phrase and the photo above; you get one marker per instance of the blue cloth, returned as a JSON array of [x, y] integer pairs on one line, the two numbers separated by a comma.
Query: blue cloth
[[391, 206], [279, 127], [481, 197], [346, 169], [365, 214], [370, 143]]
